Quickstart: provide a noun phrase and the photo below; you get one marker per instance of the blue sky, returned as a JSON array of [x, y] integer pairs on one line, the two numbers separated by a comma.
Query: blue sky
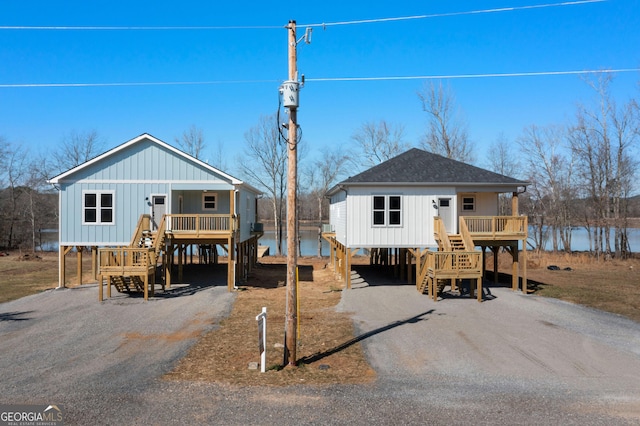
[[593, 36]]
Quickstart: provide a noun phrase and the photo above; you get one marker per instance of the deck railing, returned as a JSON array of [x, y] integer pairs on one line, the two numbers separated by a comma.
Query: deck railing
[[454, 263], [495, 226], [125, 260], [201, 224]]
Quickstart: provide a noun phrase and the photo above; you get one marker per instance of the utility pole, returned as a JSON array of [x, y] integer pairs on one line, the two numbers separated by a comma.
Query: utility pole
[[292, 185]]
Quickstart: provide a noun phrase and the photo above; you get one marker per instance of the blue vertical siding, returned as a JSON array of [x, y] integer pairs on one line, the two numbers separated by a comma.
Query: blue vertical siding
[[134, 173]]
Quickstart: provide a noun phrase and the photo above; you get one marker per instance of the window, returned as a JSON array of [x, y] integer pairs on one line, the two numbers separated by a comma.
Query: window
[[209, 201], [378, 210], [468, 204], [387, 210], [97, 208], [394, 210]]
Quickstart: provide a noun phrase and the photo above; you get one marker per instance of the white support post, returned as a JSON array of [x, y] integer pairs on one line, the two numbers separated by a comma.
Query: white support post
[[262, 337]]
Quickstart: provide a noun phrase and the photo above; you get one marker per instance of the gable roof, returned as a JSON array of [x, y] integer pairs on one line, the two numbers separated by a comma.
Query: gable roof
[[148, 137], [419, 167]]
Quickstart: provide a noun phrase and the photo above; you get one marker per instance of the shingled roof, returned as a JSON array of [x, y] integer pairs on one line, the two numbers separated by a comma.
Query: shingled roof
[[421, 167]]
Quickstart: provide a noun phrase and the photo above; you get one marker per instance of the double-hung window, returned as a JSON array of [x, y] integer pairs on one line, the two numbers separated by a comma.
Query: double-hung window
[[468, 203], [209, 201], [97, 207], [387, 210]]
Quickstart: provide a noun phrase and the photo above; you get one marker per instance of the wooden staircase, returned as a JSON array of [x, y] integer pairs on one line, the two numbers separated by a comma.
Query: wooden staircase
[[132, 268], [455, 259], [127, 284]]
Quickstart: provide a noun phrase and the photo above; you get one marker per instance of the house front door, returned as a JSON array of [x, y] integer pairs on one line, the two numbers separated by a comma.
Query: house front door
[[446, 214], [158, 209]]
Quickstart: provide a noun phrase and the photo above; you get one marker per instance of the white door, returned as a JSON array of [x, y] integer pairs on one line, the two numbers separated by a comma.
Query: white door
[[158, 209], [446, 213]]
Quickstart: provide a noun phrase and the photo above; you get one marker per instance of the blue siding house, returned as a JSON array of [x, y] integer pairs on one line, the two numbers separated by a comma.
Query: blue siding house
[[146, 188]]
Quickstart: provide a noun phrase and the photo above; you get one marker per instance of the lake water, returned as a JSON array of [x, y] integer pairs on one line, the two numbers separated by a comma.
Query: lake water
[[309, 242], [580, 240]]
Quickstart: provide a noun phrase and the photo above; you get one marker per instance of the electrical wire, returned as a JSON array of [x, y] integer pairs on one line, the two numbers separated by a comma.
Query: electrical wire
[[490, 75], [329, 79], [139, 28], [158, 83], [441, 15], [271, 27]]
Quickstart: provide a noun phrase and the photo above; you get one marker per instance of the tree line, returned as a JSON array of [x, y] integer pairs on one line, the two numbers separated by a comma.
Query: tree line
[[582, 173]]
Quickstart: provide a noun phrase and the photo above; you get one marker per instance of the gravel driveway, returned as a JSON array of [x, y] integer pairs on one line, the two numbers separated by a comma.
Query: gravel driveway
[[513, 359]]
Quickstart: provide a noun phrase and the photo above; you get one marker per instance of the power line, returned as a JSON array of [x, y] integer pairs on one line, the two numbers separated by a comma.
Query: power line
[[271, 27], [158, 83], [441, 15], [139, 28], [461, 76], [327, 79]]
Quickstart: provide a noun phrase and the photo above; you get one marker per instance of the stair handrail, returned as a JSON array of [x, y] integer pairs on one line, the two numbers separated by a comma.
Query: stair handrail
[[157, 244], [140, 228], [441, 235], [466, 235], [160, 234]]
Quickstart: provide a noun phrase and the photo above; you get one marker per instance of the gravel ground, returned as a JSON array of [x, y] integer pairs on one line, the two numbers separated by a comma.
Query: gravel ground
[[513, 359]]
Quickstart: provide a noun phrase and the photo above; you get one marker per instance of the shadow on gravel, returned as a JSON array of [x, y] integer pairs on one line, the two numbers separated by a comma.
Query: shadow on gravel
[[195, 278], [14, 316], [374, 275], [320, 355]]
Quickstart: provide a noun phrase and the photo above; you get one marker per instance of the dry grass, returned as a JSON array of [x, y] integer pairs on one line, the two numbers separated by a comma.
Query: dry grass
[[327, 351], [609, 285], [24, 274]]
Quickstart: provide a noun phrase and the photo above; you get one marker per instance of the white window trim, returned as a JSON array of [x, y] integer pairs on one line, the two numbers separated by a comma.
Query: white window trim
[[462, 203], [98, 193], [209, 194], [387, 211]]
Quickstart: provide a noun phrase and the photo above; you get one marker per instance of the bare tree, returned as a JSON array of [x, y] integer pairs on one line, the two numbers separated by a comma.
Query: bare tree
[[502, 159], [40, 203], [446, 134], [14, 174], [378, 142], [551, 175], [603, 139], [219, 159], [77, 148], [265, 164], [192, 142], [4, 153], [322, 176]]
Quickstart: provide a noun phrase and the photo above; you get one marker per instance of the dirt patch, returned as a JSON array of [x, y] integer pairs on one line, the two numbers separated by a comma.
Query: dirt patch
[[327, 351]]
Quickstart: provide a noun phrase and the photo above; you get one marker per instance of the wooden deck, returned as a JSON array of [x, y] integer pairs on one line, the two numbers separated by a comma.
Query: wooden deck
[[496, 228], [127, 262], [200, 226], [457, 257], [174, 233]]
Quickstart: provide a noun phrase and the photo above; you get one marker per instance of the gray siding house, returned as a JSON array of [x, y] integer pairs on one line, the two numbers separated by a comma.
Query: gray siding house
[[103, 200]]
